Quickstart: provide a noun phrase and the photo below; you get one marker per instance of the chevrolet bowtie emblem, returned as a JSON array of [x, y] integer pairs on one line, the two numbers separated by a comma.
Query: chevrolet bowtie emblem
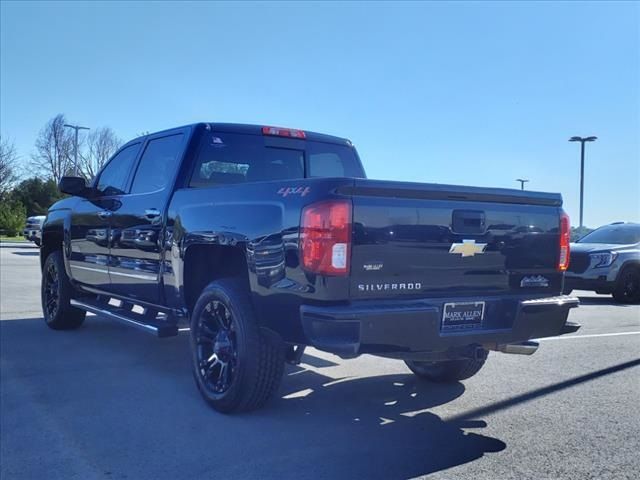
[[468, 248]]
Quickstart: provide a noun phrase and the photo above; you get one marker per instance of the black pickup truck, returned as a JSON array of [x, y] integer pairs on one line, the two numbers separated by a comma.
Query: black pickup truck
[[260, 241]]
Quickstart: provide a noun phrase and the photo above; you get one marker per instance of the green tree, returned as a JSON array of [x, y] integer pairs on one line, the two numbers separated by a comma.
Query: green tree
[[12, 217], [578, 232], [36, 195]]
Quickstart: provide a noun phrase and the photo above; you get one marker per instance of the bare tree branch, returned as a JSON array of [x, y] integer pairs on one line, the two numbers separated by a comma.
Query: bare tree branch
[[8, 159], [54, 150], [100, 145]]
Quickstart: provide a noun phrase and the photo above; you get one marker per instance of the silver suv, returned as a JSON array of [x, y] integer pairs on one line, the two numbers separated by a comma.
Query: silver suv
[[607, 260], [33, 229]]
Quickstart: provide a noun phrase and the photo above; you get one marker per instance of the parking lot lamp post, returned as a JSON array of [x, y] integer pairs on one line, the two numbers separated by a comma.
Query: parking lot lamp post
[[75, 149], [522, 182], [582, 141]]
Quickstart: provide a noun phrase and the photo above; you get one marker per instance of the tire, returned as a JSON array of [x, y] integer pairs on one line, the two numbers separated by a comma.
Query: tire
[[37, 242], [447, 371], [237, 366], [627, 289], [56, 293]]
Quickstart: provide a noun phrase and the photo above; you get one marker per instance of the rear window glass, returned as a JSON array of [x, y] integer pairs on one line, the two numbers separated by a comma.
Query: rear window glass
[[229, 158]]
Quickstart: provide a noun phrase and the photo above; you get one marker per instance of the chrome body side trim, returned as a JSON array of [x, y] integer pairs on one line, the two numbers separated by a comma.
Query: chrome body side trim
[[90, 269], [139, 276]]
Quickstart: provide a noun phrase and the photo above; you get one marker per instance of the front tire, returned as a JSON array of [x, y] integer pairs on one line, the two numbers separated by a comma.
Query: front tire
[[237, 365], [448, 371], [56, 292], [627, 289]]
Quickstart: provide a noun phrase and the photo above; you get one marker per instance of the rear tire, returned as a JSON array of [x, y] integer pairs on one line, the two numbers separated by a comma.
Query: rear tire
[[56, 293], [627, 289], [447, 371], [237, 366]]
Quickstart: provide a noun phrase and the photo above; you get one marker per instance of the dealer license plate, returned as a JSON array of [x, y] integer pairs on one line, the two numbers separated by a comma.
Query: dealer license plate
[[462, 315]]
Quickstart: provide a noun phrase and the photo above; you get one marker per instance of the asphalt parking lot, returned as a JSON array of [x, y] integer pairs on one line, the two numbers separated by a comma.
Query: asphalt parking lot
[[107, 401]]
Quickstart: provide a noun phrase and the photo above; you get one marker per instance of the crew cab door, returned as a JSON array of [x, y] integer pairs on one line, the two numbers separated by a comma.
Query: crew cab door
[[89, 231], [136, 255]]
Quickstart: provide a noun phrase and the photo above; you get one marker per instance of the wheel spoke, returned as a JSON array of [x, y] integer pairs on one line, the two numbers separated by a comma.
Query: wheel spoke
[[219, 314], [212, 365], [221, 373]]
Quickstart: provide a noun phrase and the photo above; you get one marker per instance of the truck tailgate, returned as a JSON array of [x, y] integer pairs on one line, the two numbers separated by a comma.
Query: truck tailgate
[[424, 240]]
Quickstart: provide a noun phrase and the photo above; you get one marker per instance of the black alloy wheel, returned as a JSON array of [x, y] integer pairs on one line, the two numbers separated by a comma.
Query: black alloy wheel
[[56, 293], [237, 364], [51, 290], [216, 347], [628, 286]]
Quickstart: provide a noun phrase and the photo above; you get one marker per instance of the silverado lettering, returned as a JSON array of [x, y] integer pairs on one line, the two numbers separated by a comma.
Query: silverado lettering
[[388, 286]]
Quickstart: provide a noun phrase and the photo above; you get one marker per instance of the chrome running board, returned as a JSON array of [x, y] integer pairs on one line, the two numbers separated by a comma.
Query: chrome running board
[[161, 328]]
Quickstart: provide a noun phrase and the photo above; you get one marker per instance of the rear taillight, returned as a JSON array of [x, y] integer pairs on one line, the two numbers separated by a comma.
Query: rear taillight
[[283, 132], [325, 237], [565, 238]]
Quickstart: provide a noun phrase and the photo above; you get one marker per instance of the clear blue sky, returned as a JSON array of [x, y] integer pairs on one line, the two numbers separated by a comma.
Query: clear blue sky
[[463, 93]]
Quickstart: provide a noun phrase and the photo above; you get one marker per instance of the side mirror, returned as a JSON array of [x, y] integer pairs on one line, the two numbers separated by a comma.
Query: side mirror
[[76, 186]]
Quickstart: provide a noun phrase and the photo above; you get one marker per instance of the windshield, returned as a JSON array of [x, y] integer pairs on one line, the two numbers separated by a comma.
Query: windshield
[[618, 234]]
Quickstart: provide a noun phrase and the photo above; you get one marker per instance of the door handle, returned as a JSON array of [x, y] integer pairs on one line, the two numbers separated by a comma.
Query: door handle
[[152, 213], [105, 214]]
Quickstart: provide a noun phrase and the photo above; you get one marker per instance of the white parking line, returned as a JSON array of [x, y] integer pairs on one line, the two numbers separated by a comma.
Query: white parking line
[[564, 337]]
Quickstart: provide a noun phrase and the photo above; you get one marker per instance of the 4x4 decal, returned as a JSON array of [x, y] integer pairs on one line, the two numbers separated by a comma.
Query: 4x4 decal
[[302, 191]]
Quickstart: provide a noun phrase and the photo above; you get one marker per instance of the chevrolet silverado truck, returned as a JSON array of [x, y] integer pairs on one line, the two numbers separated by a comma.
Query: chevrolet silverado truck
[[260, 241]]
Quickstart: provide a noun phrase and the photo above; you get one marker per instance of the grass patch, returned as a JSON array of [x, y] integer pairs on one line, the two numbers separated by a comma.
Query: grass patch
[[4, 238]]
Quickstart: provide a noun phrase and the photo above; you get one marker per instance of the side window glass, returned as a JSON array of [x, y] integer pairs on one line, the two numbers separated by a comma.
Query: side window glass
[[331, 160], [158, 164], [113, 178]]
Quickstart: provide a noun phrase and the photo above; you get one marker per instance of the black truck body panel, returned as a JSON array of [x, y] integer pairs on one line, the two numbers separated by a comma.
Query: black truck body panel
[[402, 234]]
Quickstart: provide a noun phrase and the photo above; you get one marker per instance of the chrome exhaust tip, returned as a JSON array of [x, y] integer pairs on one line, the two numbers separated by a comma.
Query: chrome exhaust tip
[[525, 348]]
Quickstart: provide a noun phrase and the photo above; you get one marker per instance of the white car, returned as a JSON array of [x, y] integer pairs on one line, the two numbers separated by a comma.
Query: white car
[[33, 229]]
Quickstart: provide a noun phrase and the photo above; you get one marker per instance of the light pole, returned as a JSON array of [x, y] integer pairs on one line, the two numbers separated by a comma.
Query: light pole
[[522, 182], [582, 141], [75, 150]]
